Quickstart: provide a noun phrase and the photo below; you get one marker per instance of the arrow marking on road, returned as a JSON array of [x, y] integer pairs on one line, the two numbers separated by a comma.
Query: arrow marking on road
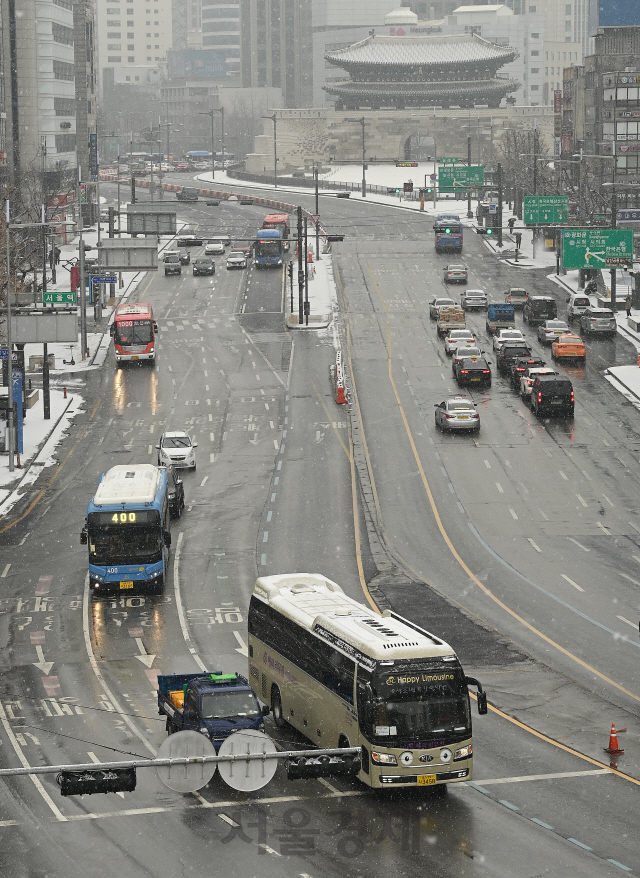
[[242, 649], [41, 665], [146, 659]]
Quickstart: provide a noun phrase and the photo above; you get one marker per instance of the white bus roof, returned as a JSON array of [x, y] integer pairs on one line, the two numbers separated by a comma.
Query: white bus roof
[[138, 308], [128, 484], [312, 600]]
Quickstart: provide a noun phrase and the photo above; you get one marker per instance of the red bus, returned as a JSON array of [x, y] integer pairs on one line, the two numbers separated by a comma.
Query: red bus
[[134, 333], [280, 222]]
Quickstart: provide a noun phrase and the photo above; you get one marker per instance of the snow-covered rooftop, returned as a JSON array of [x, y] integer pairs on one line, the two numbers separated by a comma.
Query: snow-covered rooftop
[[424, 51]]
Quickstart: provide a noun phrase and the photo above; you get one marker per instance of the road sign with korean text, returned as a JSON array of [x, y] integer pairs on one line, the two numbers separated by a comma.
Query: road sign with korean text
[[597, 248], [56, 297], [459, 177], [545, 209]]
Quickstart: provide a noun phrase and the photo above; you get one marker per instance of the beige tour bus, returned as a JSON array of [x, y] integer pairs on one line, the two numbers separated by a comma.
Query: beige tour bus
[[344, 676]]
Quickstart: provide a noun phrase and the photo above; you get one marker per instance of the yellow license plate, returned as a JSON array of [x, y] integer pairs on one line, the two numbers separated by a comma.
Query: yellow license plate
[[425, 780], [134, 358], [128, 584]]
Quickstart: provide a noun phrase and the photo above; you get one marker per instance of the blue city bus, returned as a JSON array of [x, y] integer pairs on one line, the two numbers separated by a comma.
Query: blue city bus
[[268, 249], [128, 530], [448, 233]]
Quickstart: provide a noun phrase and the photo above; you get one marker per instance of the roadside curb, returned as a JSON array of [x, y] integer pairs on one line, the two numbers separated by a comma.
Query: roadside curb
[[14, 496], [611, 376]]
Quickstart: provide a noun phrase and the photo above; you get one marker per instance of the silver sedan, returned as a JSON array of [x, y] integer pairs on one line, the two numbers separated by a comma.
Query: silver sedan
[[458, 413], [551, 329]]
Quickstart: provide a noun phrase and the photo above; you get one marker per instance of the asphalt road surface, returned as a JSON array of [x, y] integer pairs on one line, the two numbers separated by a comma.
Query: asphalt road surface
[[520, 546]]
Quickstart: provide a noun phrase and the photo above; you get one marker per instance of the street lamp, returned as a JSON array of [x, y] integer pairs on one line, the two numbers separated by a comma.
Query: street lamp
[[361, 121], [213, 154], [275, 149]]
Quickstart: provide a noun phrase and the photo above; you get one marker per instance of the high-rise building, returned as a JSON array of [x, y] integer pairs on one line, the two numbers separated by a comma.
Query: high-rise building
[[133, 38]]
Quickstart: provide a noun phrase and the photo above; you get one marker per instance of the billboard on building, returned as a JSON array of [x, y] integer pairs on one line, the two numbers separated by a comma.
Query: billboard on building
[[614, 13], [197, 64]]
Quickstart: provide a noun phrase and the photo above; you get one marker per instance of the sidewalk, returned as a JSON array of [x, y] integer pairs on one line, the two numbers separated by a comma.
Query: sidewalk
[[323, 302]]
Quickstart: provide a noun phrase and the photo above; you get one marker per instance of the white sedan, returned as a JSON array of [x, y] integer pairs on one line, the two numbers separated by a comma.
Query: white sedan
[[177, 449], [506, 335], [458, 338], [236, 260], [551, 329], [214, 248]]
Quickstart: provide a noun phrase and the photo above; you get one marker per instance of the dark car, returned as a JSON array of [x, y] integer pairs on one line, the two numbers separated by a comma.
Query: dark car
[[537, 309], [181, 166], [204, 265], [552, 395], [519, 366], [185, 256], [507, 353], [175, 492], [187, 193], [474, 371]]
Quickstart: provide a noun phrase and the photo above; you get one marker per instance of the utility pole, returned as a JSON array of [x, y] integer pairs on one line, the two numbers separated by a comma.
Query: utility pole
[[300, 271], [10, 424], [364, 164], [469, 211], [614, 224], [315, 177], [499, 205], [306, 273], [83, 299]]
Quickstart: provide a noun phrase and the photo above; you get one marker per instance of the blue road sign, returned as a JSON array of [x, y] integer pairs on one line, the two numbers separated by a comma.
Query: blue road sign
[[104, 279], [4, 354]]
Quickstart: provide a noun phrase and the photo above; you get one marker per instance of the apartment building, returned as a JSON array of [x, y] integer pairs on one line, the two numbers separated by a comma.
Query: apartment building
[[133, 37]]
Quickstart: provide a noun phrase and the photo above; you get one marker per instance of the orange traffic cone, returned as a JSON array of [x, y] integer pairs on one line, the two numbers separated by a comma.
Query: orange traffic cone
[[341, 398], [613, 747]]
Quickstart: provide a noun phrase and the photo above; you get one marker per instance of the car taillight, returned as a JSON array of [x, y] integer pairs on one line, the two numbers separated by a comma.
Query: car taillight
[[486, 371], [539, 397], [448, 417], [464, 371], [475, 415], [572, 397], [594, 319]]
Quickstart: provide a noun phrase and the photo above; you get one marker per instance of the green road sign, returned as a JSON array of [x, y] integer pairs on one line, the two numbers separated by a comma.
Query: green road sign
[[453, 179], [597, 248], [55, 297], [545, 209], [448, 161]]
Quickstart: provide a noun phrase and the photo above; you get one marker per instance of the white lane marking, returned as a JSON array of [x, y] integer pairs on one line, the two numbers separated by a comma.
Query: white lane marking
[[242, 649], [584, 548], [204, 481], [634, 526], [513, 513], [5, 571], [547, 452], [150, 449], [581, 499], [535, 546], [607, 499], [212, 437], [603, 528], [325, 783], [606, 443], [624, 576], [212, 458], [24, 539], [178, 598], [527, 777], [273, 497], [564, 476], [36, 780], [228, 820], [276, 444], [622, 619], [487, 464], [96, 670], [499, 487], [571, 582]]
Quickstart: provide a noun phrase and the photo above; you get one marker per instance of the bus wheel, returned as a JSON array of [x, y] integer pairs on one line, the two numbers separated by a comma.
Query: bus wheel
[[276, 708]]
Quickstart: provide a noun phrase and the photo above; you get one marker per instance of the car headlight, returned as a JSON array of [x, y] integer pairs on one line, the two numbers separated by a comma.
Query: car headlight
[[383, 758], [463, 752]]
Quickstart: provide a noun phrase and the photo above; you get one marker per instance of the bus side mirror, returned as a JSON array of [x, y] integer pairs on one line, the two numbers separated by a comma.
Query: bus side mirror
[[167, 539], [266, 710], [112, 329], [482, 703], [155, 326], [84, 539]]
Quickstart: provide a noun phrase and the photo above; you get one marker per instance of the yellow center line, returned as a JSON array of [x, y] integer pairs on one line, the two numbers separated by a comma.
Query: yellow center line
[[41, 493], [331, 421], [456, 555]]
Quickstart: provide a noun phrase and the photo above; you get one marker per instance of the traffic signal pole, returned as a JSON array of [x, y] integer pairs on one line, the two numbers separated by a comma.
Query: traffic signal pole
[[499, 205], [300, 271]]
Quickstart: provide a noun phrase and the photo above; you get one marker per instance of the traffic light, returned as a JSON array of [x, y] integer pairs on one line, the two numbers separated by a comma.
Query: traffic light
[[518, 238], [323, 766], [335, 238], [480, 230], [85, 783], [290, 270]]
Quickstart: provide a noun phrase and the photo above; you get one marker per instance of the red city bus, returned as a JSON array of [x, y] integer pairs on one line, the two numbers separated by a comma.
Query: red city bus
[[280, 222], [134, 333]]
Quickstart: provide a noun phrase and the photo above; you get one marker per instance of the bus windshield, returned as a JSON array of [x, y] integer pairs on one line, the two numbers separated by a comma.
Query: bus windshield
[[134, 332], [449, 229], [418, 706], [124, 544], [268, 248]]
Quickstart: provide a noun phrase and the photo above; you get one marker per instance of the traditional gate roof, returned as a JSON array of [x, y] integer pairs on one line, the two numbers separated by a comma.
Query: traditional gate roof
[[425, 52]]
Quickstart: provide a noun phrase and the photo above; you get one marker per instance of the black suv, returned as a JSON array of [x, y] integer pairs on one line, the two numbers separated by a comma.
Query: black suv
[[537, 309], [507, 353], [518, 366], [474, 370], [553, 395]]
